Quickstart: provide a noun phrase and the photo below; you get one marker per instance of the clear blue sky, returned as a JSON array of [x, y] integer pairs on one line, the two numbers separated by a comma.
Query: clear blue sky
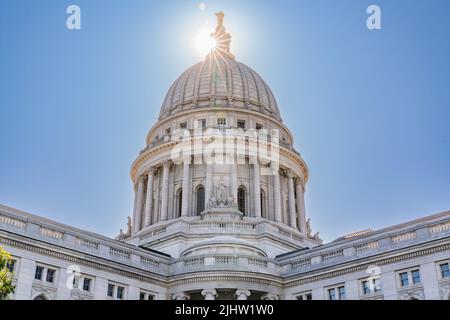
[[370, 110]]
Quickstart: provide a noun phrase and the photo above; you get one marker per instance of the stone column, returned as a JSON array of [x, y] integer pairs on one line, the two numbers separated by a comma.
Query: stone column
[[242, 294], [156, 205], [300, 190], [149, 198], [138, 207], [291, 201], [209, 183], [165, 191], [180, 296], [209, 294], [257, 188], [234, 182], [276, 194], [269, 296], [186, 181]]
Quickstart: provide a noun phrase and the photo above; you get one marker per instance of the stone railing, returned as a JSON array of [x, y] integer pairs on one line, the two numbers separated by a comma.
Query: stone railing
[[316, 258], [103, 248], [232, 262], [365, 247], [301, 264], [332, 256], [87, 244], [50, 233], [149, 262], [194, 262], [226, 260], [13, 222], [228, 226], [403, 237], [440, 227], [119, 254]]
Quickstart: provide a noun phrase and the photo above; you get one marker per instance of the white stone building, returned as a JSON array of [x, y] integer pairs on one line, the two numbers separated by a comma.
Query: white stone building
[[219, 214]]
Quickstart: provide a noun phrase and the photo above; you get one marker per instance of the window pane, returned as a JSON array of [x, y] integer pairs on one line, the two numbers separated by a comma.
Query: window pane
[[200, 200], [415, 276], [342, 293], [241, 200], [38, 273], [86, 284], [110, 290], [331, 294], [119, 292], [445, 270], [50, 275], [365, 286], [404, 279]]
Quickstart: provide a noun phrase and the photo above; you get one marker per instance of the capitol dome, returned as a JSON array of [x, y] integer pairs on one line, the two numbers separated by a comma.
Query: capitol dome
[[220, 80], [219, 174]]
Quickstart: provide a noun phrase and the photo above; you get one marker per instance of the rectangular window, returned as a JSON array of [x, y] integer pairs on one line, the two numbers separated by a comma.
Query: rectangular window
[[183, 125], [241, 124], [341, 293], [142, 296], [332, 294], [404, 279], [308, 296], [86, 284], [377, 284], [259, 126], [110, 290], [445, 271], [415, 276], [221, 121], [11, 265], [50, 275], [120, 291], [365, 287], [38, 273]]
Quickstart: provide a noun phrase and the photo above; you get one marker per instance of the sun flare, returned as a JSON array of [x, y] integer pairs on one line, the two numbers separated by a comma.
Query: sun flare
[[204, 42]]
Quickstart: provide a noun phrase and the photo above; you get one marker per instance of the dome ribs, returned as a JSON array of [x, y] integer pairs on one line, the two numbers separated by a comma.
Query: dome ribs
[[220, 80]]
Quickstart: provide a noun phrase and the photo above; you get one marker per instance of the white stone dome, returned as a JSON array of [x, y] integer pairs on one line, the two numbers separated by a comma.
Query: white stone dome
[[220, 80]]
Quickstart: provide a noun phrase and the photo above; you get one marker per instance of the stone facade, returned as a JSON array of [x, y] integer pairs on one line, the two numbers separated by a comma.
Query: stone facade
[[217, 217]]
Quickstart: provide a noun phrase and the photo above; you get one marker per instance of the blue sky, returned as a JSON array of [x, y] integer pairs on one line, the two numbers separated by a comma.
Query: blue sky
[[370, 110]]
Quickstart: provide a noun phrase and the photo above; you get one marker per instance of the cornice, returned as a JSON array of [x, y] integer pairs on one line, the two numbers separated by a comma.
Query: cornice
[[157, 279], [324, 274], [148, 153]]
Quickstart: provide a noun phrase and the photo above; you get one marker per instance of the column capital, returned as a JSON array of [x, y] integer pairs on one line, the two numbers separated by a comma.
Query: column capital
[[166, 163], [180, 296], [270, 296], [242, 294], [151, 171], [209, 294], [289, 173], [299, 183], [141, 178]]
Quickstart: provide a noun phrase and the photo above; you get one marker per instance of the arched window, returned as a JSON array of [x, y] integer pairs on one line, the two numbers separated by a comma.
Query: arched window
[[40, 297], [263, 204], [200, 199], [241, 200], [179, 201]]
